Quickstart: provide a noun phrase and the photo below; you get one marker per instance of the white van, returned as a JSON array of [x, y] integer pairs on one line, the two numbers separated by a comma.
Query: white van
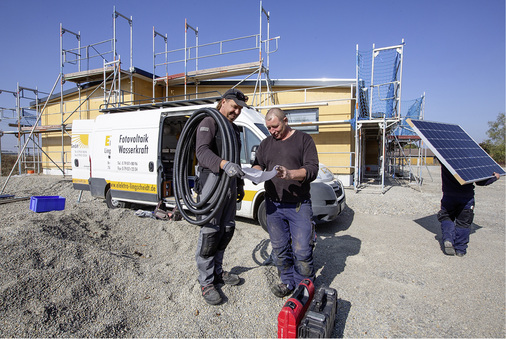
[[127, 156]]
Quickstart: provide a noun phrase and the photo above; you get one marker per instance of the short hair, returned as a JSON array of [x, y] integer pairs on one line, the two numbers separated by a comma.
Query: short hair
[[275, 112]]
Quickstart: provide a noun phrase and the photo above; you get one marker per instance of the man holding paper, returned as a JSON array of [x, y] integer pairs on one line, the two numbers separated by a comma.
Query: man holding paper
[[287, 198]]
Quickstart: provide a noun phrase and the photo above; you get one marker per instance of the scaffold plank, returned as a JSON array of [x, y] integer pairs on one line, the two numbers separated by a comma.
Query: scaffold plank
[[212, 73], [96, 74]]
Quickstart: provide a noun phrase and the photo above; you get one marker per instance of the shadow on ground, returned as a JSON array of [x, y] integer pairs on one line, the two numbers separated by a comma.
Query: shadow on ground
[[431, 224], [330, 256], [332, 250]]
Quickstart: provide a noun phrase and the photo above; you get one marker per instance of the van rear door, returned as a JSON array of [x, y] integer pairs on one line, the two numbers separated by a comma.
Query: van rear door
[[125, 154], [80, 147]]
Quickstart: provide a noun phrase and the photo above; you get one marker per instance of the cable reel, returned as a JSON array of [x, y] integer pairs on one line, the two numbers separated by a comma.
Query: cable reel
[[202, 211]]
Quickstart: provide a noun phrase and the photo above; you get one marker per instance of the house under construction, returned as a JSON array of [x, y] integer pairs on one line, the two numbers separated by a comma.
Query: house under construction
[[354, 122]]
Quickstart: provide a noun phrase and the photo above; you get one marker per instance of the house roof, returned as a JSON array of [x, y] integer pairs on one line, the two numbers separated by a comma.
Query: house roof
[[91, 78], [87, 79], [315, 82]]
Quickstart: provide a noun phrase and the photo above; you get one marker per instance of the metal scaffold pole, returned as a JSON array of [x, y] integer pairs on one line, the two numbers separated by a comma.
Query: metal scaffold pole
[[187, 54], [356, 177]]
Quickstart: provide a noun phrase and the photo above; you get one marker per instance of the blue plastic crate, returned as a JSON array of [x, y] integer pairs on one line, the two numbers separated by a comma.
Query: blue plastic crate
[[47, 203]]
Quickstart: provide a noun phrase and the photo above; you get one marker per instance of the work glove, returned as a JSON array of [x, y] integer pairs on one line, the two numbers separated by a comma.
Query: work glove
[[233, 170], [240, 193]]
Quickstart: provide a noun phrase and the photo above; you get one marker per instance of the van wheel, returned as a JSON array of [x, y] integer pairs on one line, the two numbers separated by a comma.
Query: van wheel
[[113, 203], [262, 216]]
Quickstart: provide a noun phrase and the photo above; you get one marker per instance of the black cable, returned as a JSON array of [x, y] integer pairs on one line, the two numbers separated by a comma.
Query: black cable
[[207, 206]]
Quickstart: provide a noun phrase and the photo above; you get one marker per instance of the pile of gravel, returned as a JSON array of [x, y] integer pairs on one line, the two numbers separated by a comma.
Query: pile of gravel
[[89, 271]]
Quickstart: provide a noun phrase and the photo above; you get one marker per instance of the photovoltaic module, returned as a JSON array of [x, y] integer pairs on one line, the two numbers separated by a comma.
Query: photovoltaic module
[[456, 150]]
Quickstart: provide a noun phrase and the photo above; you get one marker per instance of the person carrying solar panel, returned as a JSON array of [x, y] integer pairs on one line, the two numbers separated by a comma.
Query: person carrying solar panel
[[457, 211]]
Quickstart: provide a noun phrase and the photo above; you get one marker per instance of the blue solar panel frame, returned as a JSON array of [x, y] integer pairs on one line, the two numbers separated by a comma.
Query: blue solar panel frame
[[457, 151]]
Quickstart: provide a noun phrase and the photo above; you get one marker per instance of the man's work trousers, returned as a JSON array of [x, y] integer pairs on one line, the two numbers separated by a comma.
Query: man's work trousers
[[456, 216], [292, 234], [215, 236]]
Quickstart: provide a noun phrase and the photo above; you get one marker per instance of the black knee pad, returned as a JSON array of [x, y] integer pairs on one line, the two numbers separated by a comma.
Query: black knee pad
[[465, 218], [210, 242], [443, 215], [225, 239]]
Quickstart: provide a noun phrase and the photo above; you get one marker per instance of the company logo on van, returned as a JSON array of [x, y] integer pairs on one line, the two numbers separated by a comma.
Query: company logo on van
[[133, 144], [108, 140], [79, 140]]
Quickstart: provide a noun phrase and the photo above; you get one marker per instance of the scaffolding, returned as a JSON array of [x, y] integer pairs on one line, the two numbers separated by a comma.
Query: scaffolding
[[96, 70], [28, 134], [405, 152], [187, 66], [30, 137], [377, 113], [109, 61], [23, 116]]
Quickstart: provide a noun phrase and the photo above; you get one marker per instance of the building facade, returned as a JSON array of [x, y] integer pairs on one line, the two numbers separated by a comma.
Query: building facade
[[321, 107]]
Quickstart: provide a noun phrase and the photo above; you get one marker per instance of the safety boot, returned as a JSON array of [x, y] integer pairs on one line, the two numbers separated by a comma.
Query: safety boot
[[449, 249], [281, 290], [227, 278], [211, 295]]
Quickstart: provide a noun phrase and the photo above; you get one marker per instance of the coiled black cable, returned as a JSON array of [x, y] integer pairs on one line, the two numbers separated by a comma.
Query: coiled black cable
[[202, 211]]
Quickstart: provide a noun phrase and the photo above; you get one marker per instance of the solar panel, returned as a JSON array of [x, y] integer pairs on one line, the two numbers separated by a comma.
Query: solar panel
[[457, 151]]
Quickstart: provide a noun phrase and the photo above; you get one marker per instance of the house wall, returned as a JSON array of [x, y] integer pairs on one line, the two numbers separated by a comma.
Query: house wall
[[334, 142], [75, 106]]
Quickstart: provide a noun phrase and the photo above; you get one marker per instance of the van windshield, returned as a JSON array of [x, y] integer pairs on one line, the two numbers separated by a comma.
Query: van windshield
[[263, 129]]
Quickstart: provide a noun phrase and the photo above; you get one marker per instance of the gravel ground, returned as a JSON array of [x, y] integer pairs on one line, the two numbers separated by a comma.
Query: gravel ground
[[88, 271]]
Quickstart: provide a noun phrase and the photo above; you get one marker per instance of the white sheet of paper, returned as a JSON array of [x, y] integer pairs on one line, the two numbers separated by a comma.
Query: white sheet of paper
[[257, 176]]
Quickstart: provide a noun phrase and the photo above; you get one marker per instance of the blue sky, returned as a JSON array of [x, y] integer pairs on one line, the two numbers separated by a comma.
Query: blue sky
[[454, 50]]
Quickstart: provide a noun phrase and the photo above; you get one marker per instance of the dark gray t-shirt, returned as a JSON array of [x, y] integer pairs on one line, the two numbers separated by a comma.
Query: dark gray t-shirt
[[298, 151]]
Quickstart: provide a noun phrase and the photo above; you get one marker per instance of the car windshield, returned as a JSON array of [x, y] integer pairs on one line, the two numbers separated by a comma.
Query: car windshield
[[263, 129]]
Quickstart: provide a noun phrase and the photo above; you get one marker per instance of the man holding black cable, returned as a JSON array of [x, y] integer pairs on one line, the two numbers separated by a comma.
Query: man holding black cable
[[215, 236]]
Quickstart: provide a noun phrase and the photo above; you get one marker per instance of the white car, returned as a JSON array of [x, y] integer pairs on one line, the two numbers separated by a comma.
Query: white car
[[327, 205], [327, 193]]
